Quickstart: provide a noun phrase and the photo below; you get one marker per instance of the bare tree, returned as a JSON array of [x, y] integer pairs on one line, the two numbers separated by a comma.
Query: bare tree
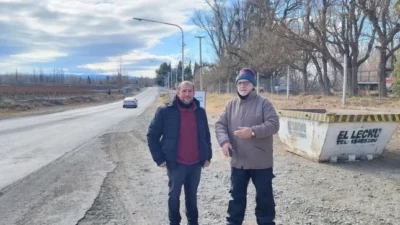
[[347, 34], [304, 59], [260, 47], [226, 28], [387, 24], [326, 31], [267, 34], [314, 16]]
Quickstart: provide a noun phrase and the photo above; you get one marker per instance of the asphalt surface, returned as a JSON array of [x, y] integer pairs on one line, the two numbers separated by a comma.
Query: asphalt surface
[[52, 166]]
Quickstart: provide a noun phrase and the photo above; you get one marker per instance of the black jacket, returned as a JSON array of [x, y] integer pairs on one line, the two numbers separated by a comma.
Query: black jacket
[[163, 134]]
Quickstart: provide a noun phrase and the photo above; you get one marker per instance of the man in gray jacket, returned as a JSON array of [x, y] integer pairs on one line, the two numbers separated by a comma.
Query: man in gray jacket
[[244, 131]]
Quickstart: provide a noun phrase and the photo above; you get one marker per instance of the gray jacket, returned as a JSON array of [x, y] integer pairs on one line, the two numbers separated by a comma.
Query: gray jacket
[[259, 114]]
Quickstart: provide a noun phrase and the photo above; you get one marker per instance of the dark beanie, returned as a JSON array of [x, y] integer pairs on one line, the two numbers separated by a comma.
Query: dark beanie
[[247, 74]]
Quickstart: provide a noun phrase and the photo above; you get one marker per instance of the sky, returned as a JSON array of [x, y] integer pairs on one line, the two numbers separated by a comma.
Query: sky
[[96, 36]]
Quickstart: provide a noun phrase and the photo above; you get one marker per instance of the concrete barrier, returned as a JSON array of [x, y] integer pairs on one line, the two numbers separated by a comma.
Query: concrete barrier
[[336, 136]]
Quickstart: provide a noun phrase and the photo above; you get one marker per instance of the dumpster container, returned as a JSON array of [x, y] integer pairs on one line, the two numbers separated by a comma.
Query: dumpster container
[[324, 136]]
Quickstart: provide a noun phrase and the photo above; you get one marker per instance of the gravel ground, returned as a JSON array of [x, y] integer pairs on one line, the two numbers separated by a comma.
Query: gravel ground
[[305, 192]]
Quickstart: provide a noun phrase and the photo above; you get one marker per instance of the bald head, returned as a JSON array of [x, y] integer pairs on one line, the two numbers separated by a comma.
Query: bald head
[[186, 92], [185, 83]]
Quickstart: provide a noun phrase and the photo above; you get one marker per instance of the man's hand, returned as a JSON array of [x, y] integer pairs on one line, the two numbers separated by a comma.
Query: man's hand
[[206, 164], [164, 164], [243, 132], [225, 149]]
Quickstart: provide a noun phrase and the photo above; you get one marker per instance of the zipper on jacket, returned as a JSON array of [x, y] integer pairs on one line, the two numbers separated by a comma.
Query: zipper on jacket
[[240, 160]]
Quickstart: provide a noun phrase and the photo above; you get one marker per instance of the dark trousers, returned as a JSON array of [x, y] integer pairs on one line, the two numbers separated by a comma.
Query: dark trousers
[[189, 177], [265, 204]]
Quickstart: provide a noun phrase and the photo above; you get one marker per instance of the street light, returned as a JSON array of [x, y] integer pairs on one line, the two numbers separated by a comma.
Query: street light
[[183, 43]]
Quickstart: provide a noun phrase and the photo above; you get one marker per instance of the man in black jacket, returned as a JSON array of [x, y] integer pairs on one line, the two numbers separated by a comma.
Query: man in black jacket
[[179, 140]]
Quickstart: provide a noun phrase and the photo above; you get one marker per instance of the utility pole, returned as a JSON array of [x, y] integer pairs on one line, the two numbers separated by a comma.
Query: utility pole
[[176, 77], [344, 79], [288, 83], [201, 63], [170, 80]]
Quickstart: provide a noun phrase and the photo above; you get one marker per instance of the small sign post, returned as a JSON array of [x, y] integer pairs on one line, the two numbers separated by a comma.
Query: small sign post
[[201, 97]]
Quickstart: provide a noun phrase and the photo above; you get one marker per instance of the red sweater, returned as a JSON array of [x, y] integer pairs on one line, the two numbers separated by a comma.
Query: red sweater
[[188, 148]]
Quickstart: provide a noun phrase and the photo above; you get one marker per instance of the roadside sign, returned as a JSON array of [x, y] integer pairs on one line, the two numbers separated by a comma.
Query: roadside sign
[[201, 97]]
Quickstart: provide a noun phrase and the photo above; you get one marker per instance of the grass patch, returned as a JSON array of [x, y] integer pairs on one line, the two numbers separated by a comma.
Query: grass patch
[[164, 98], [216, 102]]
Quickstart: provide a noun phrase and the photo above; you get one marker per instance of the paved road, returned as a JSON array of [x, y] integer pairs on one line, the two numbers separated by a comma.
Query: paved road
[[52, 166]]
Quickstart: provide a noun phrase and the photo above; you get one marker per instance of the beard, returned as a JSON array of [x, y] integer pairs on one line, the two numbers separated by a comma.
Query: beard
[[187, 100], [244, 92]]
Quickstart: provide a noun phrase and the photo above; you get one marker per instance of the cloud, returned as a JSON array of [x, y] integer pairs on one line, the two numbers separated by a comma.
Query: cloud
[[137, 61], [37, 56], [87, 34]]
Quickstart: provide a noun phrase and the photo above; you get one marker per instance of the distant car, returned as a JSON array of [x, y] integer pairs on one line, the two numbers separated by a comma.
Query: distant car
[[282, 88], [130, 103]]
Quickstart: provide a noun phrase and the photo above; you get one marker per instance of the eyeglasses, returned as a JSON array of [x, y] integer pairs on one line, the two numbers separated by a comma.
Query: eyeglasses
[[244, 83]]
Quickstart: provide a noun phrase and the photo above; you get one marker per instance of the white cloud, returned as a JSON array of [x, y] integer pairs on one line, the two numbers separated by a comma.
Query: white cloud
[[65, 27], [34, 56], [148, 72], [37, 56], [131, 60]]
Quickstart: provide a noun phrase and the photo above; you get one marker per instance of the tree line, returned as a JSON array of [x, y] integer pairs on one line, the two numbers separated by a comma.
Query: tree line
[[312, 37], [59, 78], [166, 70]]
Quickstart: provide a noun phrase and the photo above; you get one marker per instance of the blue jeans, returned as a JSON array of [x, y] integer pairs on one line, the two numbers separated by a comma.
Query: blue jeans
[[265, 204], [189, 177]]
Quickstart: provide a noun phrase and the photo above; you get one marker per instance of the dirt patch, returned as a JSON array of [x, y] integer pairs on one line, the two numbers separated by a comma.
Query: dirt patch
[[305, 192], [36, 106], [134, 193]]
